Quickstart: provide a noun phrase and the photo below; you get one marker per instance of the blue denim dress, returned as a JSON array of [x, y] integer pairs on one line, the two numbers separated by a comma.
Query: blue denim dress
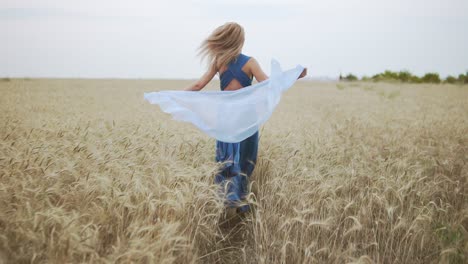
[[238, 159]]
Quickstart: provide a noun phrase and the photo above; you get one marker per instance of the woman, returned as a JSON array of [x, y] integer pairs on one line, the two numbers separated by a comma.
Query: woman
[[236, 70]]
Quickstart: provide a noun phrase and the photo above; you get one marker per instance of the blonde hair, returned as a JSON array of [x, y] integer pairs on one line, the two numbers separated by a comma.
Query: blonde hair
[[223, 45]]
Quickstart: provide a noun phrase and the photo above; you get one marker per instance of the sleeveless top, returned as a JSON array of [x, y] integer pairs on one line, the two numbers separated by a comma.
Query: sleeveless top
[[234, 71]]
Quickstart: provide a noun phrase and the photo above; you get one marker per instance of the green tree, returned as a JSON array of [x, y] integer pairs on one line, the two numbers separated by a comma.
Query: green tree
[[431, 77], [450, 79], [463, 78], [351, 77], [365, 78], [415, 79], [404, 76], [389, 75]]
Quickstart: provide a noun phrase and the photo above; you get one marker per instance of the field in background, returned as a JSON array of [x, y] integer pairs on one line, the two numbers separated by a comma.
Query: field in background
[[347, 172]]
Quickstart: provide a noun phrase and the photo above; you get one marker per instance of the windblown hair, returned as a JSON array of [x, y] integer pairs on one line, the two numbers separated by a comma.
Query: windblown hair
[[223, 45]]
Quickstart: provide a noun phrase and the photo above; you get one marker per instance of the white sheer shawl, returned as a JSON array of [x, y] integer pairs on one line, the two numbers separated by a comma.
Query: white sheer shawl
[[228, 116]]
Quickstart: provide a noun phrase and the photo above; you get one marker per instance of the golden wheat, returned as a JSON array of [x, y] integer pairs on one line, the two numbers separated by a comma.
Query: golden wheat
[[348, 173]]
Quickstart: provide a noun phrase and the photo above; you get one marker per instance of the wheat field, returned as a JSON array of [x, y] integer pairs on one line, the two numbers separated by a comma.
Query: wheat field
[[346, 173]]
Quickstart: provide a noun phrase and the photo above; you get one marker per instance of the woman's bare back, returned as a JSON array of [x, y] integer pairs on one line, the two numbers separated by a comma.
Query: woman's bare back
[[235, 84]]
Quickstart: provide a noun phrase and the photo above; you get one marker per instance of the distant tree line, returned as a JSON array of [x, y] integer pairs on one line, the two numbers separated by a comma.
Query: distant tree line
[[407, 77]]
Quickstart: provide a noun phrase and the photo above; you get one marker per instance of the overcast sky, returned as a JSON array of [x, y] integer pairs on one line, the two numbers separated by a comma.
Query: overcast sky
[[159, 39]]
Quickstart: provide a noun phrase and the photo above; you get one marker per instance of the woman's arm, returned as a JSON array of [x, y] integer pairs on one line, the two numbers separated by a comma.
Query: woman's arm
[[258, 73], [203, 81]]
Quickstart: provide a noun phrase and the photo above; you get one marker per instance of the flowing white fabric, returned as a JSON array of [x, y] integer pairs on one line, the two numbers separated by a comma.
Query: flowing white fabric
[[228, 116]]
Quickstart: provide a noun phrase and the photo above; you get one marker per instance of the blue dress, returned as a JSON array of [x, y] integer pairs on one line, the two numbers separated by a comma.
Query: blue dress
[[239, 158]]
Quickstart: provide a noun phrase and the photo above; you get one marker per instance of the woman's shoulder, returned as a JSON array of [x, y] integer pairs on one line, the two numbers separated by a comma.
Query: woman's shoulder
[[243, 59]]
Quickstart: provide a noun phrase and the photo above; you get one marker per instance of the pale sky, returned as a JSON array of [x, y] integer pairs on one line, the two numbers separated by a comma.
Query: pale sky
[[159, 39]]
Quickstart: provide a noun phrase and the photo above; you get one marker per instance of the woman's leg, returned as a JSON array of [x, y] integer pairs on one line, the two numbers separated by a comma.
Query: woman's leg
[[248, 154], [248, 159], [229, 177]]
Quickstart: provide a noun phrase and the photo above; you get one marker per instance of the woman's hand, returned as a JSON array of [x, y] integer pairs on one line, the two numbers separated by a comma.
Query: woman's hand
[[303, 73], [203, 81]]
